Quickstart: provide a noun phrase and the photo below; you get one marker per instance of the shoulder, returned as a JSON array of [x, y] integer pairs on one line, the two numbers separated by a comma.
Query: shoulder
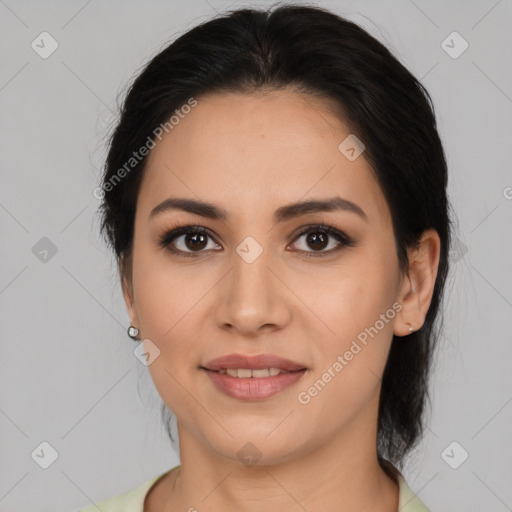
[[129, 501], [408, 501]]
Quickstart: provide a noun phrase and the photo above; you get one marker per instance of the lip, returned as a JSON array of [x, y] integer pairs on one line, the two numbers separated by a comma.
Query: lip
[[256, 362], [253, 388]]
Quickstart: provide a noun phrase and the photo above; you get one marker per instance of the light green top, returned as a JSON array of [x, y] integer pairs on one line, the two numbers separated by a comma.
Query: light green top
[[133, 500]]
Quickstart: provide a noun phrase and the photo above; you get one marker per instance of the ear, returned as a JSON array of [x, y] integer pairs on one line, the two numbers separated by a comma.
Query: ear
[[125, 272], [417, 287]]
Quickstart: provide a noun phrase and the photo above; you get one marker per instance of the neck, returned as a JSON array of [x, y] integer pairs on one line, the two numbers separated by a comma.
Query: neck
[[342, 474]]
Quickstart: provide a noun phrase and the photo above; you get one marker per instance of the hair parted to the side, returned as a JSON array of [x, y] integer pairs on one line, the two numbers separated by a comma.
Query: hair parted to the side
[[323, 55]]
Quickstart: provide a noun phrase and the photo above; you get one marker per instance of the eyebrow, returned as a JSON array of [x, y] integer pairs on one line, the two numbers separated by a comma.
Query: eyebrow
[[282, 214]]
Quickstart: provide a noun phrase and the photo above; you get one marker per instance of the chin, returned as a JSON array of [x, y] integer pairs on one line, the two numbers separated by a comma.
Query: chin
[[258, 448]]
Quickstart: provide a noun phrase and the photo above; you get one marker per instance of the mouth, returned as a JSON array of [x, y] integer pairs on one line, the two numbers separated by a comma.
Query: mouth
[[253, 377], [255, 366], [253, 388], [248, 373]]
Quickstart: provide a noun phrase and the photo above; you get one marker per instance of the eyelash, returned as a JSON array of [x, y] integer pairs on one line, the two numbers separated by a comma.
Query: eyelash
[[168, 237]]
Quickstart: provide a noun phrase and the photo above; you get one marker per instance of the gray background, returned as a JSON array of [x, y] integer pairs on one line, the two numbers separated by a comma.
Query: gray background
[[68, 375]]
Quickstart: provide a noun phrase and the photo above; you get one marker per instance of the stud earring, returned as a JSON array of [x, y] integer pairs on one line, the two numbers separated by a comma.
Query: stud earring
[[133, 332]]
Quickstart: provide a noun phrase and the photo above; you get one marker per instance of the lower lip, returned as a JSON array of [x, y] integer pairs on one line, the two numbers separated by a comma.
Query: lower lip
[[252, 388]]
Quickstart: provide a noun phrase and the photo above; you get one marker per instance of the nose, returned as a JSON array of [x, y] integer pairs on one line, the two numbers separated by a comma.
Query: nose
[[252, 298]]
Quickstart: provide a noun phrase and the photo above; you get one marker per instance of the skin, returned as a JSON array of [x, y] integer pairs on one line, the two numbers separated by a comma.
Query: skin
[[251, 154]]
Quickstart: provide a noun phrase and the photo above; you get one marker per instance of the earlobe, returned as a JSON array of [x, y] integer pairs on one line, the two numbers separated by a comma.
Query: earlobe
[[407, 319], [418, 286]]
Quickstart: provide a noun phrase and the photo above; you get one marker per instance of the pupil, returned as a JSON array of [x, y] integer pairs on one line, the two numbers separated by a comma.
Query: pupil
[[194, 237], [315, 238]]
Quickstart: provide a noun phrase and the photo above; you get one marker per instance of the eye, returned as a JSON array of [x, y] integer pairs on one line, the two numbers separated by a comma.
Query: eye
[[318, 238], [192, 240], [187, 240]]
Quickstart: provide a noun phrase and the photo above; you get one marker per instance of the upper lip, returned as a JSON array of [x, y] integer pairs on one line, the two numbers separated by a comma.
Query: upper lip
[[253, 362]]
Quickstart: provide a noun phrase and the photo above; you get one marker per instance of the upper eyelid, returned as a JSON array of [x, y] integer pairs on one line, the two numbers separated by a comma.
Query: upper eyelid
[[299, 232]]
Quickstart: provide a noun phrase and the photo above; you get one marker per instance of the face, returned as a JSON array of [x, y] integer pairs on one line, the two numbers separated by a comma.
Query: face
[[255, 282]]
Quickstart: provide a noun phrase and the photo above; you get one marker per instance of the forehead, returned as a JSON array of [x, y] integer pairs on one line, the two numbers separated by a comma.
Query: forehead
[[250, 152]]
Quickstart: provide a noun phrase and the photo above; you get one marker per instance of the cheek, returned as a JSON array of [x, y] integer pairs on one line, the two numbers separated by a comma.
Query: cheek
[[167, 308], [161, 293], [357, 307], [349, 370], [347, 298]]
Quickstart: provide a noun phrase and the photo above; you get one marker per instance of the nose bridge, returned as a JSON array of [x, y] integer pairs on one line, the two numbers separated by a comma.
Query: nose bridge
[[251, 286], [251, 295]]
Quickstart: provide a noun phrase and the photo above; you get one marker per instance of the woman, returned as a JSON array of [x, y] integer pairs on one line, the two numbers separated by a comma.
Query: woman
[[275, 195]]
